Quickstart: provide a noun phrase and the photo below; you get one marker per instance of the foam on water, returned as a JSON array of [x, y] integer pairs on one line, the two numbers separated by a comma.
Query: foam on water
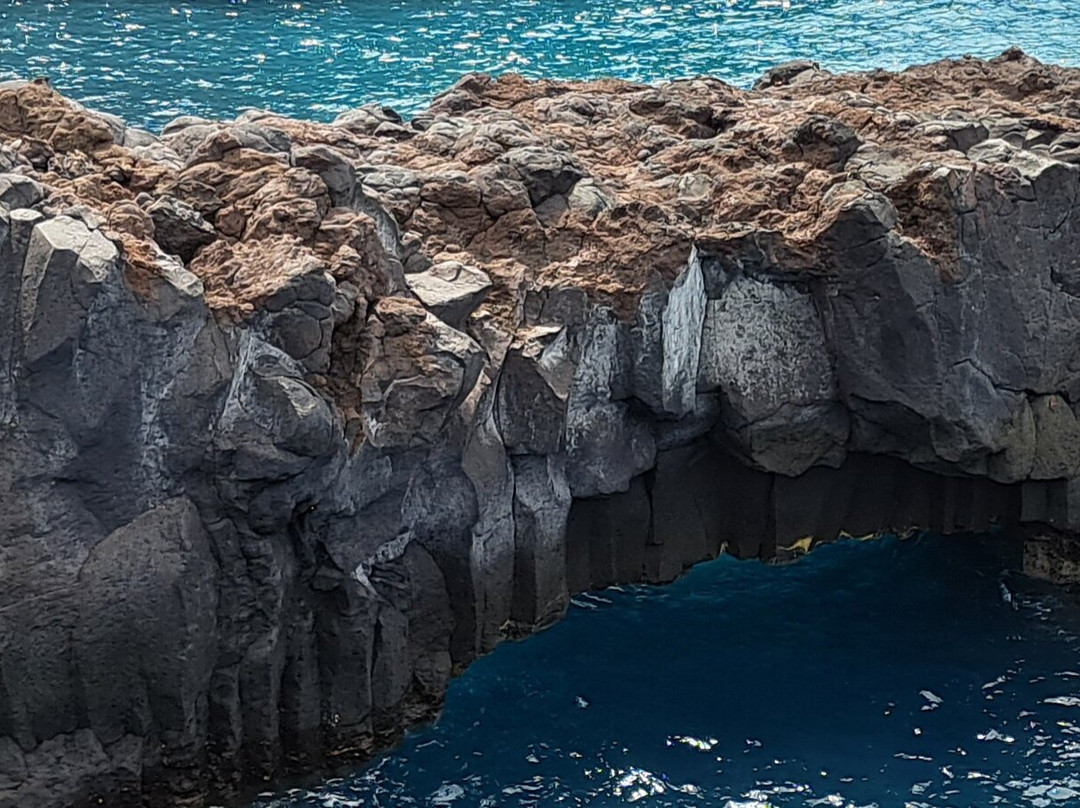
[[152, 61], [887, 673]]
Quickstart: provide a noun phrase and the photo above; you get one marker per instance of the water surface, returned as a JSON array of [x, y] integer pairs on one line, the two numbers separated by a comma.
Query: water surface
[[150, 61], [924, 672]]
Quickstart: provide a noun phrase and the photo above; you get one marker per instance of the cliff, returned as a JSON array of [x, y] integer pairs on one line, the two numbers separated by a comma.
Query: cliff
[[298, 419]]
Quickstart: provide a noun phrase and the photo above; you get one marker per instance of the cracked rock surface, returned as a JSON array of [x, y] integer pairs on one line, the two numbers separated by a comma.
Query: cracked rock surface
[[297, 419]]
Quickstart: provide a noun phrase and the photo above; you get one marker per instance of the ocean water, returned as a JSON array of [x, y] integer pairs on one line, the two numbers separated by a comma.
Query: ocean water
[[152, 60], [917, 672]]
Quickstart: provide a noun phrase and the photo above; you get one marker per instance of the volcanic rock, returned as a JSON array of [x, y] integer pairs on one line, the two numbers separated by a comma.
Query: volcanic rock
[[297, 419]]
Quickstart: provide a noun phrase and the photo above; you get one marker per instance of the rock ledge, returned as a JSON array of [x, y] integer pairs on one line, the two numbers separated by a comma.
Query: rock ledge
[[296, 420]]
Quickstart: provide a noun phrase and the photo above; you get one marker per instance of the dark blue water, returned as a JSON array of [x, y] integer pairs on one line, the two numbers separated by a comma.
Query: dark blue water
[[924, 672], [151, 60]]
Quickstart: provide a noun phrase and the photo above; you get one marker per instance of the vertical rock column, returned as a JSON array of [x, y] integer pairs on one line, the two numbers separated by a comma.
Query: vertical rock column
[[541, 506]]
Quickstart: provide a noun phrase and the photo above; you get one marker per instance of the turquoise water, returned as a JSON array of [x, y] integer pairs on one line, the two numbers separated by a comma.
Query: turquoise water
[[924, 672], [151, 60]]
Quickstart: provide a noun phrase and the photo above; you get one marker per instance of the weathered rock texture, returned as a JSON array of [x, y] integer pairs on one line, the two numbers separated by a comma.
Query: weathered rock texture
[[296, 419]]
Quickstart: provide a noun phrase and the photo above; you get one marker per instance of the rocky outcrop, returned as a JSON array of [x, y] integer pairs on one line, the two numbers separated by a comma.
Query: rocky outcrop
[[297, 419]]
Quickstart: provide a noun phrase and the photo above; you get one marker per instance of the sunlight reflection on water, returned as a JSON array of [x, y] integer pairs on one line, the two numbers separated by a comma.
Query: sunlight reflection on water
[[150, 62]]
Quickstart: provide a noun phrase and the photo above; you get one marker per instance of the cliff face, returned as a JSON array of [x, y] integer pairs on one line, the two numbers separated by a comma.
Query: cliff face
[[296, 420]]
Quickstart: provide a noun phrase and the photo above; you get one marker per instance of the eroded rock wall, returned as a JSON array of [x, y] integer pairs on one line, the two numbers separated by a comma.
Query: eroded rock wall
[[297, 419], [700, 501]]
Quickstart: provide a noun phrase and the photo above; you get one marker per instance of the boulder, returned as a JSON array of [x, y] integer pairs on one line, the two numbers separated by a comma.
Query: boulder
[[450, 290], [418, 371], [65, 266], [180, 229], [333, 169], [20, 191], [764, 348], [545, 172]]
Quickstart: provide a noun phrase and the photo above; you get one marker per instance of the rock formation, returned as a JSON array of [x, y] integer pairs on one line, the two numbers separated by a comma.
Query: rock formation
[[297, 419]]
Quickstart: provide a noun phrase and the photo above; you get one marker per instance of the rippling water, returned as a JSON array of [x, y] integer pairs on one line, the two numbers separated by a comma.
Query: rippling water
[[152, 61], [912, 673]]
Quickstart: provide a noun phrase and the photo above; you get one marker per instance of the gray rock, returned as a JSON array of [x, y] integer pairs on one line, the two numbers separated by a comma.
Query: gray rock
[[1057, 439], [826, 141], [544, 172], [541, 507], [318, 510], [959, 134], [66, 263], [183, 122], [115, 124], [272, 421], [366, 120], [11, 263], [450, 290], [299, 319], [683, 320], [332, 167], [22, 221], [589, 198], [606, 444], [210, 143], [10, 160], [414, 379], [184, 135], [492, 557], [13, 771], [793, 439], [19, 191], [1013, 463], [61, 769], [179, 228], [763, 346], [147, 598], [667, 342], [793, 72], [878, 166], [158, 152], [135, 138], [764, 349], [533, 390]]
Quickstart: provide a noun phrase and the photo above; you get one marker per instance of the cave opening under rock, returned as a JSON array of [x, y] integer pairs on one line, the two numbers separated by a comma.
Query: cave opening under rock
[[700, 501]]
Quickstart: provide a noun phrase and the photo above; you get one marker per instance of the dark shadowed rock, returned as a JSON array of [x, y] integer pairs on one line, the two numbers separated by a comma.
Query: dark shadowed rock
[[19, 191], [179, 228], [788, 73], [450, 290]]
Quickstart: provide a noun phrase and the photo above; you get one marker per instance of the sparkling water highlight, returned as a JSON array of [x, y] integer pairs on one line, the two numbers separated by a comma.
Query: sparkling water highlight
[[151, 60]]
